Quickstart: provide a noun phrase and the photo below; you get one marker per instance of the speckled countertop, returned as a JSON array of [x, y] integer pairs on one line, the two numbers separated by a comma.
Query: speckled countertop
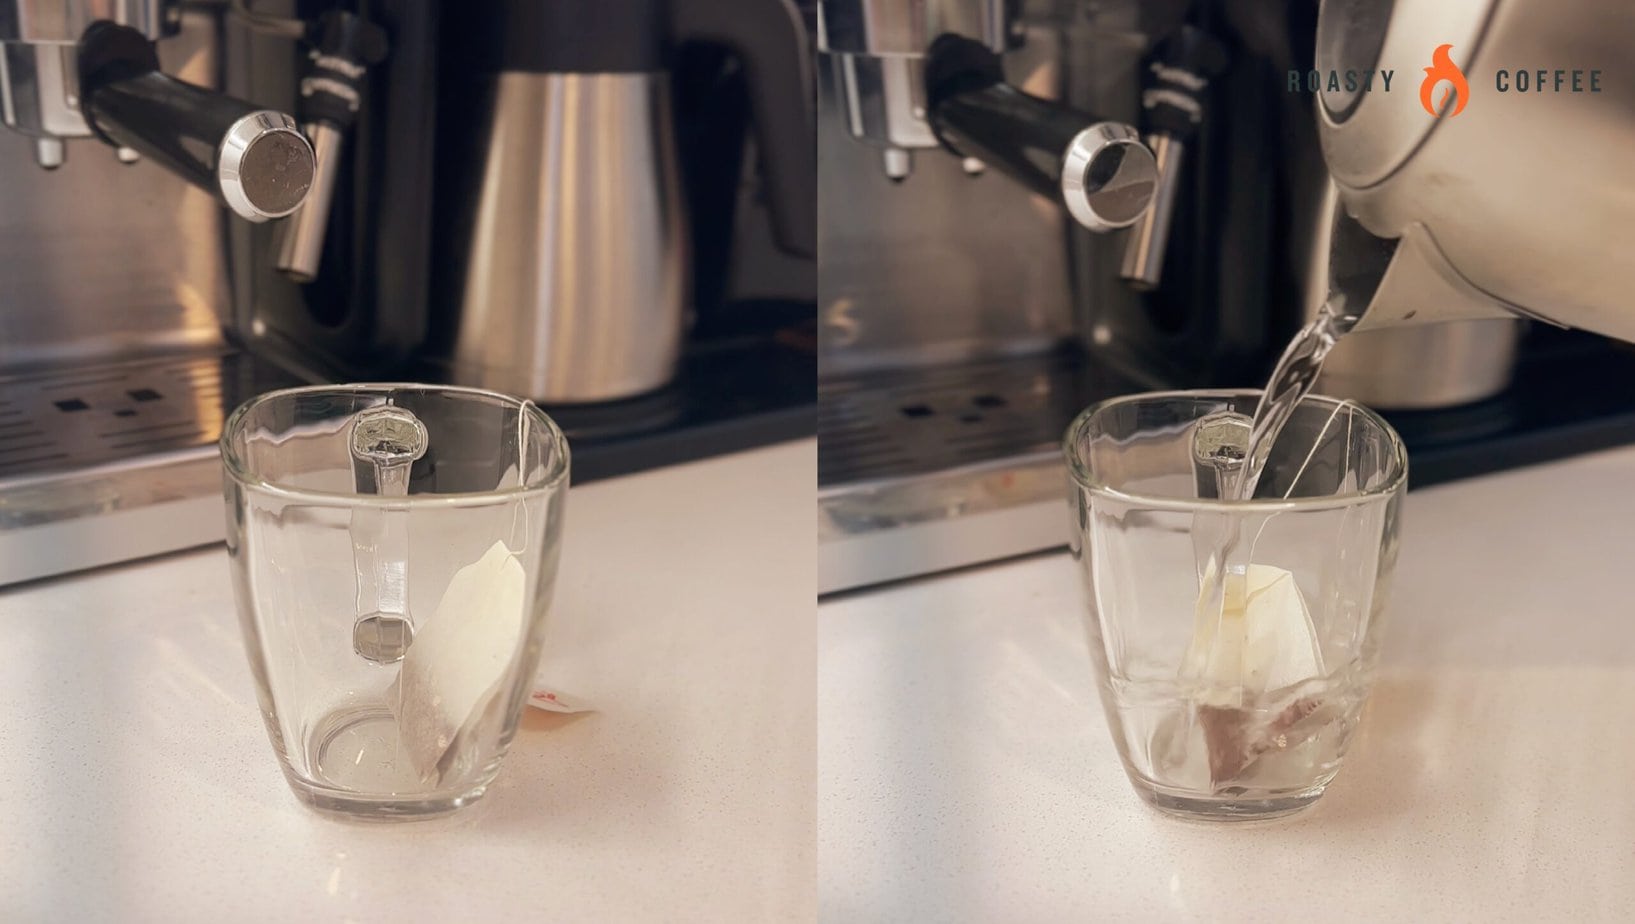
[[966, 772], [137, 783]]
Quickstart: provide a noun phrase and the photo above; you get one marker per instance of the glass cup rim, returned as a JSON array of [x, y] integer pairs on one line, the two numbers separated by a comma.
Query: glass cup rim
[[1087, 480], [236, 470]]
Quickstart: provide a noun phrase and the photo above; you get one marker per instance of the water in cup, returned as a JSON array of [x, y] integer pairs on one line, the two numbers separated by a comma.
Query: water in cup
[[1254, 708]]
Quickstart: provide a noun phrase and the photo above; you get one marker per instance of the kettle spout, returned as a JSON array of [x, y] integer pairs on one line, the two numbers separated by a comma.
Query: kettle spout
[[1382, 282]]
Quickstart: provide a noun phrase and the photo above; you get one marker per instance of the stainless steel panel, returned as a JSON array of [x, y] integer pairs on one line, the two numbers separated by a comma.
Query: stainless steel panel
[[895, 425], [101, 259], [92, 415], [893, 27], [945, 301], [39, 86], [63, 21], [1437, 365], [153, 505], [876, 532], [576, 269], [922, 470], [941, 267], [108, 461]]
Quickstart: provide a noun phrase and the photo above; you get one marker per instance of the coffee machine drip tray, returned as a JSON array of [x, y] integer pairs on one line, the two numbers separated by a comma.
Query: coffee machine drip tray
[[921, 470], [104, 462]]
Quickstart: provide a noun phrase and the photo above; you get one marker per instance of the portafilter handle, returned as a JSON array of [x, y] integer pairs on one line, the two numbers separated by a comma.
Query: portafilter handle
[[255, 160], [1098, 169]]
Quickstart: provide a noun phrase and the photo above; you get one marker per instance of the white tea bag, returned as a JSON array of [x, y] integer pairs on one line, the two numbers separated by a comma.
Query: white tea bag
[[459, 657], [1261, 640]]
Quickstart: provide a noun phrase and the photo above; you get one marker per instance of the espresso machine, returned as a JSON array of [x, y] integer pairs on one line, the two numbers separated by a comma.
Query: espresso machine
[[964, 321], [125, 165], [965, 316], [208, 200]]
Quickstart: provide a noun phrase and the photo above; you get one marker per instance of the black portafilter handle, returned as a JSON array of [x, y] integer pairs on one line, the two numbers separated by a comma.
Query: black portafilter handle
[[1098, 169], [255, 160]]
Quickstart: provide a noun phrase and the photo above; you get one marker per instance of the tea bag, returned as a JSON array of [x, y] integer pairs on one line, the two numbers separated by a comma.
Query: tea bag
[[458, 660], [1261, 640]]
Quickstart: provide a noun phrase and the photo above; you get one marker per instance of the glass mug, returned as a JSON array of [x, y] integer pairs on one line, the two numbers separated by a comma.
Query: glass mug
[[393, 550], [1236, 697]]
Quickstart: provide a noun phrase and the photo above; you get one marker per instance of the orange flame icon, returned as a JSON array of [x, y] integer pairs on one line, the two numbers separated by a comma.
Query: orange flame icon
[[1442, 68]]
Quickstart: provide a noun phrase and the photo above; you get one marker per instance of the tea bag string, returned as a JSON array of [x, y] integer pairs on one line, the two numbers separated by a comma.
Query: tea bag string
[[519, 512], [1288, 492], [1344, 405]]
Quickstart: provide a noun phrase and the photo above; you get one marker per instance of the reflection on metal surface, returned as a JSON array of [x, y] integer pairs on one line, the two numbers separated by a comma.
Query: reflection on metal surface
[[871, 533], [576, 266], [1496, 223], [265, 165], [925, 470], [1144, 249], [1108, 177], [878, 49], [915, 422], [111, 461], [1410, 367], [95, 415], [39, 84], [1438, 365], [941, 267], [301, 238], [100, 259]]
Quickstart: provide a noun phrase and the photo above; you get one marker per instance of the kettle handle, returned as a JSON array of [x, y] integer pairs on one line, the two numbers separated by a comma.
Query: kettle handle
[[770, 41]]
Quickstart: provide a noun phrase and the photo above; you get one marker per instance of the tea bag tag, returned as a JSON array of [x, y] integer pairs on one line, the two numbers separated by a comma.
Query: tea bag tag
[[459, 656], [548, 699]]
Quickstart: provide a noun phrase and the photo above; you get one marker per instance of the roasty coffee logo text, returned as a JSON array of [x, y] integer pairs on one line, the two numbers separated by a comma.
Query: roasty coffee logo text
[[1455, 85]]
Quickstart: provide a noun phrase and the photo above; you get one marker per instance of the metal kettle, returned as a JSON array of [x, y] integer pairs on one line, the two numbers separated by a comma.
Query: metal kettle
[[1482, 195], [574, 261]]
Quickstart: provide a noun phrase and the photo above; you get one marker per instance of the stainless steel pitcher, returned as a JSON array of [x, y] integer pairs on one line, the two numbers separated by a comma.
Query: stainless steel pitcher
[[576, 264]]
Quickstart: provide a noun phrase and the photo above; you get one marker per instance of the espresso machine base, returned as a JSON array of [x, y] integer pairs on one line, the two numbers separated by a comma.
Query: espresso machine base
[[931, 470], [922, 470], [103, 462]]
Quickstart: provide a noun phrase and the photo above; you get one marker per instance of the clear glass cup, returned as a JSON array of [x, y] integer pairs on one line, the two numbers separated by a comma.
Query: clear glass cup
[[393, 550], [1234, 698]]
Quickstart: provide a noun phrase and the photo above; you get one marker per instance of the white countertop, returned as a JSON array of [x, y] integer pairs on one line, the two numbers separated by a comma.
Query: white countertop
[[966, 772], [137, 783]]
